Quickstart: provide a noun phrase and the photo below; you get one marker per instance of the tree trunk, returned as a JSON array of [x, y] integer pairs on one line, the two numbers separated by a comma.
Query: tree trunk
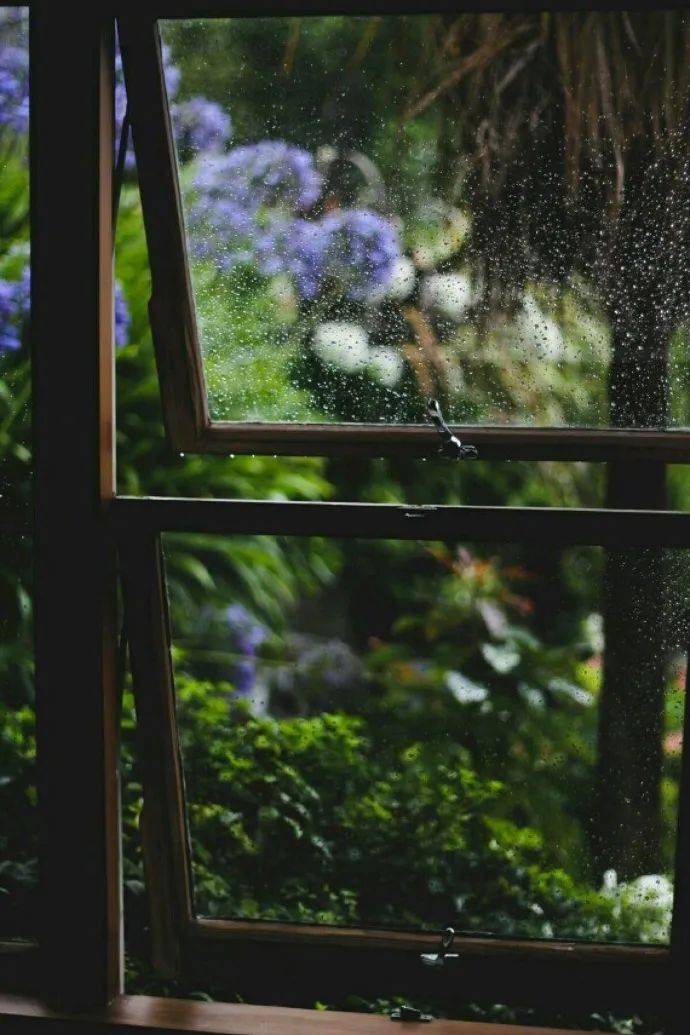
[[644, 280], [628, 817], [627, 822]]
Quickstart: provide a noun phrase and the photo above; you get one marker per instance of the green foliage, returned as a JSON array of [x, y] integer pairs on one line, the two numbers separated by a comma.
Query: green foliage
[[18, 830], [466, 663], [328, 819]]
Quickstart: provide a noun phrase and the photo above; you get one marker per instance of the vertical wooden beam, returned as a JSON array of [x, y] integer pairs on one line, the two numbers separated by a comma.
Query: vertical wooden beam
[[72, 343]]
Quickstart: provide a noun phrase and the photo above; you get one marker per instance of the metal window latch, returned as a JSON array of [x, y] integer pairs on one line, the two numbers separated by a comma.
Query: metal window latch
[[438, 959], [410, 1014], [451, 446]]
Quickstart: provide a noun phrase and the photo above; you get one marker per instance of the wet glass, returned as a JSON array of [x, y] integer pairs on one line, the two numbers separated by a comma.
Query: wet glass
[[415, 734], [383, 209], [18, 827]]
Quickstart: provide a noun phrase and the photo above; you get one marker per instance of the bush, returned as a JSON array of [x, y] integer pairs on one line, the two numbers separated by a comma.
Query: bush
[[321, 819]]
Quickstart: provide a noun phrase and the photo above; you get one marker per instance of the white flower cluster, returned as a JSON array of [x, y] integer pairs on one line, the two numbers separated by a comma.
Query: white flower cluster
[[344, 344], [651, 898]]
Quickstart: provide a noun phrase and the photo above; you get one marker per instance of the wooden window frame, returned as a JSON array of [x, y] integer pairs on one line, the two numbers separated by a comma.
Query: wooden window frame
[[189, 426], [560, 972]]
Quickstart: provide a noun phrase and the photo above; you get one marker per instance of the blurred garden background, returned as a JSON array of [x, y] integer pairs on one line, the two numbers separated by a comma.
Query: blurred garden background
[[490, 209]]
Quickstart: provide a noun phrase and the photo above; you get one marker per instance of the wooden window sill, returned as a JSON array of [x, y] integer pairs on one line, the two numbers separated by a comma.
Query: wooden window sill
[[179, 1015]]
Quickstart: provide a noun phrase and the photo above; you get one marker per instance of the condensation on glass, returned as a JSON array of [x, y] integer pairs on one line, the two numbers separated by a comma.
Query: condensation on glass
[[493, 209], [418, 734]]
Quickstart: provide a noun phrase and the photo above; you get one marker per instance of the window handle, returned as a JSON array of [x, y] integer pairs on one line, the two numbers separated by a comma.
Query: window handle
[[410, 1015], [438, 959], [451, 446]]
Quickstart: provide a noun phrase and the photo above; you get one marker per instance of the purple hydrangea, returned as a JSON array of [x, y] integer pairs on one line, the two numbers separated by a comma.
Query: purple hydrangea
[[171, 73], [14, 310], [222, 218], [22, 293], [246, 197], [15, 303], [273, 173], [200, 126], [122, 319], [10, 327], [247, 635], [14, 88], [172, 83], [296, 247], [354, 248], [362, 250]]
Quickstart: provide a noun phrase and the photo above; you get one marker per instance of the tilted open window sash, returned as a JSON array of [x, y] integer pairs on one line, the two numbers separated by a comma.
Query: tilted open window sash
[[339, 959], [360, 350]]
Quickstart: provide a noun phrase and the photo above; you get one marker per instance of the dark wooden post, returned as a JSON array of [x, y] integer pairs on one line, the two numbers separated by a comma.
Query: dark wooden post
[[72, 352]]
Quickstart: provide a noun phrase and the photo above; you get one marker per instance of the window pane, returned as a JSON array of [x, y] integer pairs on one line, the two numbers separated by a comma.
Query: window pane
[[18, 828], [483, 737], [488, 208]]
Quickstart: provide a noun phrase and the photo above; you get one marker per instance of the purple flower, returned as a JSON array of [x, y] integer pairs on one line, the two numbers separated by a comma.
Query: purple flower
[[172, 82], [273, 173], [14, 310], [200, 125], [355, 249], [297, 247], [22, 293], [247, 634], [245, 198], [246, 631], [243, 676], [14, 85], [10, 330], [15, 304], [122, 319], [171, 73], [249, 206], [221, 218], [362, 250]]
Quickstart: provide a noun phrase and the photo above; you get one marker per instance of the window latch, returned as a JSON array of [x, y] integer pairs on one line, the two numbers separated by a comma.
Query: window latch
[[438, 959], [451, 446], [410, 1015]]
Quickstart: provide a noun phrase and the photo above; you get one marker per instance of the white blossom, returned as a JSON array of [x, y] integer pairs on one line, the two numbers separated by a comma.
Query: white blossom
[[451, 294], [401, 281], [539, 332], [386, 365], [464, 690], [342, 343]]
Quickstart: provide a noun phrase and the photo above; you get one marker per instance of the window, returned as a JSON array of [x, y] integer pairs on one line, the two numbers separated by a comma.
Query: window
[[459, 689], [229, 921], [332, 247], [542, 646], [334, 242]]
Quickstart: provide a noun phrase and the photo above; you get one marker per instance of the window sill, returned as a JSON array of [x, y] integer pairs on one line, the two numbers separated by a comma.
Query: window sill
[[130, 1013]]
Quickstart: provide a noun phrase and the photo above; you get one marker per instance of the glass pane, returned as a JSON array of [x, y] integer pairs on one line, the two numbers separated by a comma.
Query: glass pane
[[486, 737], [18, 825], [487, 208]]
